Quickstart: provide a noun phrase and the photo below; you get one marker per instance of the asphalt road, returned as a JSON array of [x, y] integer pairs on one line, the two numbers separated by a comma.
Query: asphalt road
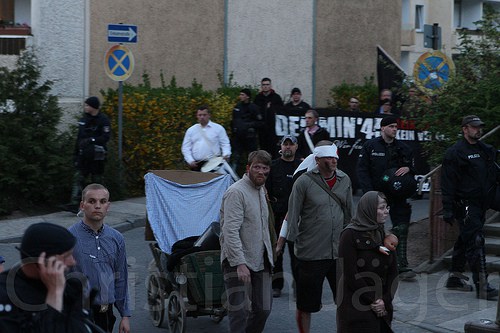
[[282, 318]]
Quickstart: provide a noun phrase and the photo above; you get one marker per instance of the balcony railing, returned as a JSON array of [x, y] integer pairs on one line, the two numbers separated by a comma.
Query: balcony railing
[[15, 30]]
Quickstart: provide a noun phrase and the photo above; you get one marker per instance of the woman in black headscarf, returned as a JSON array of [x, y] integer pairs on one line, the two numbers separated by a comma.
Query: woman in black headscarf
[[369, 276]]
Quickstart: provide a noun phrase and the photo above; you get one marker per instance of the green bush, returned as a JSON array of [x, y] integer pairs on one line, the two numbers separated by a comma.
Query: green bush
[[33, 154], [367, 93], [155, 120]]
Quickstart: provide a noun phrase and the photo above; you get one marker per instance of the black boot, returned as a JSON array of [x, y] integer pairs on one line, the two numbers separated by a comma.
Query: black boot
[[483, 289], [401, 232], [458, 281]]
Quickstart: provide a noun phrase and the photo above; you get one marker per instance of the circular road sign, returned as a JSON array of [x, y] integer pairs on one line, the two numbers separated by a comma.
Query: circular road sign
[[119, 63], [432, 71]]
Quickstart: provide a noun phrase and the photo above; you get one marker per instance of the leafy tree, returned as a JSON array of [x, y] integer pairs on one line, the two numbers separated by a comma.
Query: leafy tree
[[367, 93], [33, 154], [475, 89]]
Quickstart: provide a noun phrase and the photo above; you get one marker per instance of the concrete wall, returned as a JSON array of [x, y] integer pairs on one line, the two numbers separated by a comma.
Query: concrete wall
[[311, 44], [184, 38], [58, 27], [347, 35], [272, 39]]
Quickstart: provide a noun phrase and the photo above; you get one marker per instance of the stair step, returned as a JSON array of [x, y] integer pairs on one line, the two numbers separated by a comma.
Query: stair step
[[492, 246], [492, 229], [492, 263]]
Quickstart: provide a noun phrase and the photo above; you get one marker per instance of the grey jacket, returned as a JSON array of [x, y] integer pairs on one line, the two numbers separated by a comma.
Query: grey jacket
[[315, 219], [244, 224]]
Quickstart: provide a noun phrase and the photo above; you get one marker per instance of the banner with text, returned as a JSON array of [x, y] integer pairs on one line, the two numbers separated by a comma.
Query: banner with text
[[349, 130]]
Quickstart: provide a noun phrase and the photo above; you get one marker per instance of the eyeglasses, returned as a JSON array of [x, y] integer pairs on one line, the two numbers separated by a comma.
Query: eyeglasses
[[354, 102], [265, 84]]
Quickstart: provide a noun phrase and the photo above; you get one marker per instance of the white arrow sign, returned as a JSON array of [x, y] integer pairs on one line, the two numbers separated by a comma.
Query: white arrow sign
[[121, 33]]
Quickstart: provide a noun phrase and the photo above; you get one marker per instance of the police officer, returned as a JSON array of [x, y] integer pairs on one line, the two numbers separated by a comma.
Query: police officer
[[381, 159], [247, 119], [94, 130], [279, 186], [468, 181]]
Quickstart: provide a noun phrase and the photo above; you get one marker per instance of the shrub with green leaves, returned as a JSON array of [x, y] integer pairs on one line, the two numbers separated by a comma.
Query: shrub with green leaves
[[155, 120], [34, 156], [367, 93]]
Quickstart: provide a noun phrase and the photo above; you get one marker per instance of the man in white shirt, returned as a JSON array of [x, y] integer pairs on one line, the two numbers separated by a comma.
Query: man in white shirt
[[204, 140]]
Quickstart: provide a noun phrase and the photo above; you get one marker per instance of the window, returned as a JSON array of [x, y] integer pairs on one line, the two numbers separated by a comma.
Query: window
[[6, 11], [419, 18], [457, 13]]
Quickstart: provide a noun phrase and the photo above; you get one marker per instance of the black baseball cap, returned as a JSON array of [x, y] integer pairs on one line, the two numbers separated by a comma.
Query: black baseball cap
[[472, 120]]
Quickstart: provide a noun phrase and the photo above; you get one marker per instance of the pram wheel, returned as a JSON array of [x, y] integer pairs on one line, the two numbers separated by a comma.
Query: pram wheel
[[156, 300], [176, 313]]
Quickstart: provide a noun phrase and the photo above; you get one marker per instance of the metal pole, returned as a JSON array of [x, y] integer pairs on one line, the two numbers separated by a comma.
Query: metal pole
[[120, 116]]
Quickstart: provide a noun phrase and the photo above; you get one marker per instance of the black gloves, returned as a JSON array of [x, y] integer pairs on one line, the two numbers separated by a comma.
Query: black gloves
[[448, 217], [84, 142]]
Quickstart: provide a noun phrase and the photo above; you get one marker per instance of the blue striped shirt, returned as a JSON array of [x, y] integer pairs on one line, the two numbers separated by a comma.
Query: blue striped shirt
[[102, 258]]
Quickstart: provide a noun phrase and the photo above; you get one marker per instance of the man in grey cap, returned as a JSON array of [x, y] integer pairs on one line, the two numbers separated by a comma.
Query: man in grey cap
[[37, 295], [468, 181], [279, 185]]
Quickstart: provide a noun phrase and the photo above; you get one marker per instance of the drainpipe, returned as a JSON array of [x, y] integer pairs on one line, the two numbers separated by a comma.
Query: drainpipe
[[86, 49]]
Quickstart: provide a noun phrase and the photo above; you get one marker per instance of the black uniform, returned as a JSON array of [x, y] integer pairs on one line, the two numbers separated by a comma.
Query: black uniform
[[269, 105], [90, 150], [468, 182], [24, 308], [279, 185], [375, 158], [247, 119], [299, 109]]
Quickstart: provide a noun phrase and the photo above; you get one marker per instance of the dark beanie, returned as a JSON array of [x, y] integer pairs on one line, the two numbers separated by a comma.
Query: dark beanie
[[388, 120], [247, 92], [93, 102], [46, 237]]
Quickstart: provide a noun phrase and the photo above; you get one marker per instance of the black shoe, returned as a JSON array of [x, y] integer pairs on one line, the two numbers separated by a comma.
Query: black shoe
[[488, 292], [276, 293], [458, 281], [407, 274]]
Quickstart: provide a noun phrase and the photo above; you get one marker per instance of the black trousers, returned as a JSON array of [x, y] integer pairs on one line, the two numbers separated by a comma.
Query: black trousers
[[105, 320], [469, 246]]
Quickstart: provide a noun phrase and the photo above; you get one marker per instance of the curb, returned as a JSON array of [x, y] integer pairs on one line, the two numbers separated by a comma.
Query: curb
[[121, 227], [129, 225]]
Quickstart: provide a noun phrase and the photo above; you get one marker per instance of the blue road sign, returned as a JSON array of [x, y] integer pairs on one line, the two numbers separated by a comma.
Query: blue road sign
[[122, 33], [119, 63]]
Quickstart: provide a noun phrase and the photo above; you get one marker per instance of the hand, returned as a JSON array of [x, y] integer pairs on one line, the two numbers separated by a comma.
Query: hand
[[124, 325], [243, 273], [83, 143], [448, 217], [402, 171], [51, 272], [279, 245], [383, 250], [379, 308]]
